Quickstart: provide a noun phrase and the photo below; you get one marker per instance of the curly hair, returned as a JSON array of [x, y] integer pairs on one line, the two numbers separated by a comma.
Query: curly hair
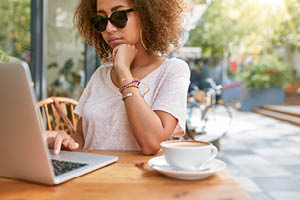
[[161, 24]]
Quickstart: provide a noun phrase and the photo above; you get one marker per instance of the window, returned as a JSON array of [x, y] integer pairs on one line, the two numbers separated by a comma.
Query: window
[[15, 28], [66, 49]]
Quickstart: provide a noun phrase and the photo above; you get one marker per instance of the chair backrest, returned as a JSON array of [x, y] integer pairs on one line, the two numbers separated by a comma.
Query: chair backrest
[[52, 108]]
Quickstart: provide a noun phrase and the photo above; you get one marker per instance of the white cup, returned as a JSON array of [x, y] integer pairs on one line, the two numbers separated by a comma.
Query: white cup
[[188, 154]]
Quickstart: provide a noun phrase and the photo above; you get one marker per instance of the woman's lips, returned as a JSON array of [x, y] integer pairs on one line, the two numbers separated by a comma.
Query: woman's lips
[[115, 40]]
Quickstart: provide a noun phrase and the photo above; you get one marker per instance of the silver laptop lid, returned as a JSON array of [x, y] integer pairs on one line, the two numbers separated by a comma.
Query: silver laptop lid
[[21, 140], [24, 153]]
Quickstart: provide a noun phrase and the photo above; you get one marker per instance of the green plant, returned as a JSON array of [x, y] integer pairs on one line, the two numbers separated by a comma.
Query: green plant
[[3, 56], [266, 72], [15, 28], [247, 26], [296, 79]]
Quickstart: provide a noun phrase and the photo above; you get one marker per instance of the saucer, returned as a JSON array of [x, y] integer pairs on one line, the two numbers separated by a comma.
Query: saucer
[[160, 165]]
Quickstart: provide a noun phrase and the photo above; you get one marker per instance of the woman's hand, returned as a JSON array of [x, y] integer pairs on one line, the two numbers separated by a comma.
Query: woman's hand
[[122, 57], [60, 139]]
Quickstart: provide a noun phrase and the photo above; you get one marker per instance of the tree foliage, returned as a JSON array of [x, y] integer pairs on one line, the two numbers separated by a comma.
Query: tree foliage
[[289, 29], [246, 27], [266, 72], [15, 27], [3, 56]]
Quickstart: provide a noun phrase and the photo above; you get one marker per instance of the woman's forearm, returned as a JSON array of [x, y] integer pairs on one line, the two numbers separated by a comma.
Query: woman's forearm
[[147, 126], [78, 136]]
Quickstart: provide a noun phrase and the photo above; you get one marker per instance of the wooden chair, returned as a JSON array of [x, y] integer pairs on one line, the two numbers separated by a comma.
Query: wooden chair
[[59, 114]]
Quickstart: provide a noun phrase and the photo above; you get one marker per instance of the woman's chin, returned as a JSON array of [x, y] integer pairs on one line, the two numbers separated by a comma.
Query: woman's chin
[[115, 43]]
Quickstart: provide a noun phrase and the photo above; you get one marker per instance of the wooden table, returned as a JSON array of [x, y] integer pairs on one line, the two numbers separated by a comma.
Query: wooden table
[[129, 178]]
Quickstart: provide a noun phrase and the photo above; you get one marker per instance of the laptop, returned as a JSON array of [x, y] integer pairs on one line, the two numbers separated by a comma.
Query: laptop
[[24, 154]]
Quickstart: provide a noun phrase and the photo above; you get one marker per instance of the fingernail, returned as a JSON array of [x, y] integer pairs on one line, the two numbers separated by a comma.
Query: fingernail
[[56, 151]]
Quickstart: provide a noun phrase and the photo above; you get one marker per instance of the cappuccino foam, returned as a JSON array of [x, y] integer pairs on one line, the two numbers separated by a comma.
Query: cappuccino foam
[[185, 144]]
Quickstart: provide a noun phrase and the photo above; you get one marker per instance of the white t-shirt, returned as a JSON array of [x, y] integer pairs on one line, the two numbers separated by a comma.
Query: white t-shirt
[[104, 119]]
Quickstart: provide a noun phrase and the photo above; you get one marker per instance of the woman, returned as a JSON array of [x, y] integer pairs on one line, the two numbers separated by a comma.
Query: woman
[[138, 98]]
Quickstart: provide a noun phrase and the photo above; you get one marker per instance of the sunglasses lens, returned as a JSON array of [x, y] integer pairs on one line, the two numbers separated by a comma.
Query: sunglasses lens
[[101, 25], [119, 19], [94, 19]]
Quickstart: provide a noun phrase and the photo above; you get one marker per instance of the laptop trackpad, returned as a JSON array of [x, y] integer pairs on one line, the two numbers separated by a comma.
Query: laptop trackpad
[[68, 160]]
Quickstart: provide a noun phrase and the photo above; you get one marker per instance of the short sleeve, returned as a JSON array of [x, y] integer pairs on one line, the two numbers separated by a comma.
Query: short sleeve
[[172, 96], [85, 95]]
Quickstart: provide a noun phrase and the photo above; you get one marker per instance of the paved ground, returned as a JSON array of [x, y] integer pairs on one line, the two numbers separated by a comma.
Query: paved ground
[[263, 155]]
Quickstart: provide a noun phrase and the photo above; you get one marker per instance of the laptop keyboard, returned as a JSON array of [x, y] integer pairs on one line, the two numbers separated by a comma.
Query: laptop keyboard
[[61, 167]]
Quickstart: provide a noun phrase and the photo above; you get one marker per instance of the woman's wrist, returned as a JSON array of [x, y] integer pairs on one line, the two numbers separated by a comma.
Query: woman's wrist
[[130, 89], [123, 71], [125, 78]]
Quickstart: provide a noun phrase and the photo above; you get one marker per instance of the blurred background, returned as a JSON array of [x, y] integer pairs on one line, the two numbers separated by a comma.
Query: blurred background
[[248, 44], [251, 48]]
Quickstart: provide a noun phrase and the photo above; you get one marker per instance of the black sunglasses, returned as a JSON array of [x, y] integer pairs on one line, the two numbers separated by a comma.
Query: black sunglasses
[[118, 19]]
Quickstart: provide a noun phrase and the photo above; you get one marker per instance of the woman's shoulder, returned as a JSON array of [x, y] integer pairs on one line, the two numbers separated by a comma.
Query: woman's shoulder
[[102, 69], [100, 73], [176, 60], [178, 65]]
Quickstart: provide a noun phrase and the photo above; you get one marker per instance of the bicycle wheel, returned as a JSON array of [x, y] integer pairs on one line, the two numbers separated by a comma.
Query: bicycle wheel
[[193, 119], [214, 124]]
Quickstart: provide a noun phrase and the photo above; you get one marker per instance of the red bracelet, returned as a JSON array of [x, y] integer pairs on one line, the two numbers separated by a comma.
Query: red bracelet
[[134, 82]]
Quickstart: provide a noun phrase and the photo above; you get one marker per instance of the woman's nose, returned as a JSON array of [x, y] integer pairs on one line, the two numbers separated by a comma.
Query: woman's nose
[[110, 27]]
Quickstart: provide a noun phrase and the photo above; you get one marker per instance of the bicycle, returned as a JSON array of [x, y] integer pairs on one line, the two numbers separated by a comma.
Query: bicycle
[[215, 116]]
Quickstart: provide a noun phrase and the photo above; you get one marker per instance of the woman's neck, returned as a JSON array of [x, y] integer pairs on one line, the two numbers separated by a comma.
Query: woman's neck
[[143, 58]]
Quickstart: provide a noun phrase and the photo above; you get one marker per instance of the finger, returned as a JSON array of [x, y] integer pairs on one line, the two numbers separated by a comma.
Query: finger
[[65, 142], [50, 142], [69, 143], [113, 56], [115, 50], [57, 143], [72, 145]]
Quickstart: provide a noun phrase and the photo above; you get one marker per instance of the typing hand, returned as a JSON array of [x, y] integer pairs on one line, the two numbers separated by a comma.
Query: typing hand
[[60, 139]]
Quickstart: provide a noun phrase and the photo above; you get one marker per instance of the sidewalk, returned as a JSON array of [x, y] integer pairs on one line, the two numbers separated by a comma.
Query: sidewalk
[[263, 155]]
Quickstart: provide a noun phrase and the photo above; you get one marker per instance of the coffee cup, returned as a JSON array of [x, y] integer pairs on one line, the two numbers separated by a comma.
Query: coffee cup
[[188, 154]]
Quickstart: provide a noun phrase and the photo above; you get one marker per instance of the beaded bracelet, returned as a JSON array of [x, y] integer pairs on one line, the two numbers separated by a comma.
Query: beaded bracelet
[[129, 87], [134, 82]]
